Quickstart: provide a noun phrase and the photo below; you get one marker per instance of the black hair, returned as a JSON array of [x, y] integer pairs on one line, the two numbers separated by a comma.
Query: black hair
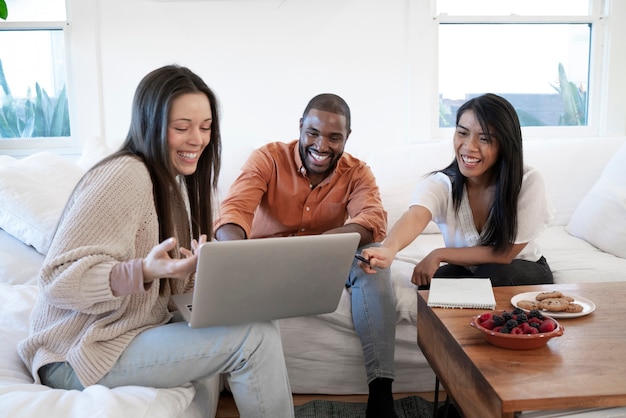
[[329, 102], [497, 118]]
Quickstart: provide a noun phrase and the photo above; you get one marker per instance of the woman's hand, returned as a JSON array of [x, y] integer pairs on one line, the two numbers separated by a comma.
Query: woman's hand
[[194, 246], [158, 263], [380, 257], [425, 269]]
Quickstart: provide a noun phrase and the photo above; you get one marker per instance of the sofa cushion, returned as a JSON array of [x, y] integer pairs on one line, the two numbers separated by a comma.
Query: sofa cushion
[[570, 167], [574, 260], [33, 193], [600, 218]]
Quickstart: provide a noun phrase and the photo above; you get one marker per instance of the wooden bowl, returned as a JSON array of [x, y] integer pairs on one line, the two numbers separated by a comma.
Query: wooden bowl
[[516, 341]]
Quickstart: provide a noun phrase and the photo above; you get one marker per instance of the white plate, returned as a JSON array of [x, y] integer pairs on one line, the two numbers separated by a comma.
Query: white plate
[[588, 306]]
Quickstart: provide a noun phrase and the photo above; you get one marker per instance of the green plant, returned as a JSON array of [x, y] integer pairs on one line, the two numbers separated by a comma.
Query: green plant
[[527, 118], [574, 101], [444, 111], [4, 12], [30, 117]]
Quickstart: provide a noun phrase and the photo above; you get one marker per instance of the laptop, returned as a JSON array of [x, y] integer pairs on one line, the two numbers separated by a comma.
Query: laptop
[[263, 279]]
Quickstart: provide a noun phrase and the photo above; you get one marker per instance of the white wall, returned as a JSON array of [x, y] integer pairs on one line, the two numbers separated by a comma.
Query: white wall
[[266, 58]]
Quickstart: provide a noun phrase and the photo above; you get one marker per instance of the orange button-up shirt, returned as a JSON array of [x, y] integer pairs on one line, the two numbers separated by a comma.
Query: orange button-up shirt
[[273, 196]]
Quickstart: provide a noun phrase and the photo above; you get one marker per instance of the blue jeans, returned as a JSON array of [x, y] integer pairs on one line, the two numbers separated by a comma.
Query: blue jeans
[[374, 317], [251, 357]]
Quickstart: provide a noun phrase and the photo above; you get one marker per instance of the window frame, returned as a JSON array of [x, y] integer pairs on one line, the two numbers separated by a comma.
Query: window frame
[[420, 104], [598, 70], [65, 145]]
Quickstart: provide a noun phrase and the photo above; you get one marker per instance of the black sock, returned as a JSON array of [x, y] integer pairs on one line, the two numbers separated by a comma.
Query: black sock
[[380, 400]]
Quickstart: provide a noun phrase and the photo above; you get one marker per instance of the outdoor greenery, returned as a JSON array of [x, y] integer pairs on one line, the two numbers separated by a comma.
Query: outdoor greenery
[[572, 98], [574, 101], [32, 117], [3, 10], [444, 112]]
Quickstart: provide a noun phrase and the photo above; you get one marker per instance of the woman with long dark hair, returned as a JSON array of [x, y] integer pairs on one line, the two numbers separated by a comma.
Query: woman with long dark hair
[[489, 206], [102, 316]]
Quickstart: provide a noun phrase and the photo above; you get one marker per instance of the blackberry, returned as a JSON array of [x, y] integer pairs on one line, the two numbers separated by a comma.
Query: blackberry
[[522, 317], [505, 330], [517, 311], [534, 324], [511, 323], [535, 314], [498, 320], [507, 315]]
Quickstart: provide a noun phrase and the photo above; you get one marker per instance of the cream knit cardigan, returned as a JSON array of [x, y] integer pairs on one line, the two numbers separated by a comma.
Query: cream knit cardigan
[[109, 218]]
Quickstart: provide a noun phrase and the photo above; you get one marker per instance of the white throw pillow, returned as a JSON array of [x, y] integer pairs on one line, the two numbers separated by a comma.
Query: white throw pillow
[[33, 193], [600, 217]]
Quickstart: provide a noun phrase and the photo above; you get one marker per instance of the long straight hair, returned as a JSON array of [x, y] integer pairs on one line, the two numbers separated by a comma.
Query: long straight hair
[[498, 118], [147, 140]]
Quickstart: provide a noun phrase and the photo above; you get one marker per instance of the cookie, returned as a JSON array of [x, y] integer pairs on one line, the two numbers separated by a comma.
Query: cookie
[[573, 308], [546, 295], [528, 304], [554, 304], [569, 298]]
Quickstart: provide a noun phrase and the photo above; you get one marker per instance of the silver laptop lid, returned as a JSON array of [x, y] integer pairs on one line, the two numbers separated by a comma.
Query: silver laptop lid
[[256, 280]]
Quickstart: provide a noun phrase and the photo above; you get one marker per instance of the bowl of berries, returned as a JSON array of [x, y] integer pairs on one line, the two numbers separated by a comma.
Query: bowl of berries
[[516, 329]]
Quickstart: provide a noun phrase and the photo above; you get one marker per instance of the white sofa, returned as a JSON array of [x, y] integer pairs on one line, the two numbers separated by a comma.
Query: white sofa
[[323, 354], [586, 183]]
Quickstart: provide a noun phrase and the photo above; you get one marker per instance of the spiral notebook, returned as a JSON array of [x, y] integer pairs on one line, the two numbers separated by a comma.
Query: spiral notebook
[[473, 293]]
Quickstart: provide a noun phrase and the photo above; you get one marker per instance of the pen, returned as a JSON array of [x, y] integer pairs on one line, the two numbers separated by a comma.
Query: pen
[[361, 258]]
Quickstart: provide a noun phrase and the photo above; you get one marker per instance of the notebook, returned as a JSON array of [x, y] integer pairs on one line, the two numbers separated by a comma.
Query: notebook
[[475, 293], [257, 280]]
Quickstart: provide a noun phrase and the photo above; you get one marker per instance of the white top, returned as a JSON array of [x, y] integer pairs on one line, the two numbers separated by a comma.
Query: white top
[[534, 212]]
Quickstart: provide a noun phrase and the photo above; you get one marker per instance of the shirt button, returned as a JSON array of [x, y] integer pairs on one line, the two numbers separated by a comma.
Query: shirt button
[[308, 208], [303, 230]]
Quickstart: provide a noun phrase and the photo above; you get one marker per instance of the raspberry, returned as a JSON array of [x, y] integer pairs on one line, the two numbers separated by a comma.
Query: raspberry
[[489, 324], [532, 330], [517, 330], [547, 326], [535, 321], [526, 328], [485, 316]]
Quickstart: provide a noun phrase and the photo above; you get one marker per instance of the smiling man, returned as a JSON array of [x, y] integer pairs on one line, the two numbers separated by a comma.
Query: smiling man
[[311, 186]]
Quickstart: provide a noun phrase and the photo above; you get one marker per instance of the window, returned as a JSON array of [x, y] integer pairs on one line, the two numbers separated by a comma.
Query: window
[[537, 54], [33, 87]]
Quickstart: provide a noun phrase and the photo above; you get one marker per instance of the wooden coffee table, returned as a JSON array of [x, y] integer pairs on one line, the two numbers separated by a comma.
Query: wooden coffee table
[[584, 368]]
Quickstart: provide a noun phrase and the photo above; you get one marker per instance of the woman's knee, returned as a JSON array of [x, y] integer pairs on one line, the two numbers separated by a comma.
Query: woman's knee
[[264, 333]]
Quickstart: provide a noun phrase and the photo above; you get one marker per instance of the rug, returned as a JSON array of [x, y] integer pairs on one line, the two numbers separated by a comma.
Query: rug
[[409, 407]]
